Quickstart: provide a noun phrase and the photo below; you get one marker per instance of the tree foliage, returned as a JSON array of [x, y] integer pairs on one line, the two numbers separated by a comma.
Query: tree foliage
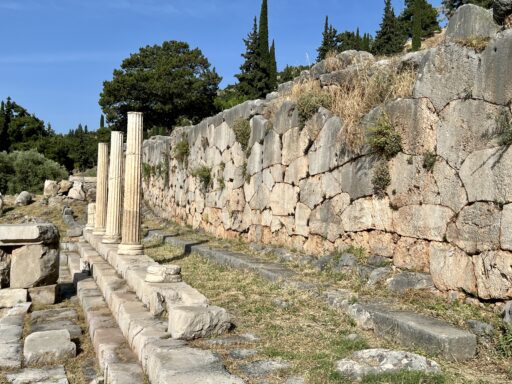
[[329, 41], [390, 38], [428, 15], [165, 82], [416, 26], [27, 171]]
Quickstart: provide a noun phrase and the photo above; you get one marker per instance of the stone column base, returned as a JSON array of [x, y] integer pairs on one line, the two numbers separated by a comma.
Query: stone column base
[[98, 232], [130, 249], [111, 240]]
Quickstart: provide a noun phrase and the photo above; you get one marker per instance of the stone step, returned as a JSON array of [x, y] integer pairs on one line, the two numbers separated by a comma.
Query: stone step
[[409, 329], [164, 359]]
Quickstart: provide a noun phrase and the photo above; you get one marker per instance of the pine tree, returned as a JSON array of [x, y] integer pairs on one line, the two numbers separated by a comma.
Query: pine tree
[[428, 14], [273, 66], [329, 41], [390, 39], [250, 71], [416, 27]]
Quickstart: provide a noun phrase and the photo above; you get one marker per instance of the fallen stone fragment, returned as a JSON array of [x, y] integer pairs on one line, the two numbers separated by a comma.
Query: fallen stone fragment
[[188, 322], [9, 297], [48, 347], [409, 280], [264, 367], [377, 361], [55, 375], [24, 198], [242, 353], [480, 328], [163, 274], [46, 295], [234, 340]]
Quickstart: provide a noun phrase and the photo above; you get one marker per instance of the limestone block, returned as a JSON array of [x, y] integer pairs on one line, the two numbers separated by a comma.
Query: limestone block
[[255, 160], [213, 157], [353, 57], [506, 228], [470, 21], [368, 213], [452, 193], [54, 375], [414, 119], [296, 171], [311, 191], [223, 137], [236, 200], [355, 177], [48, 347], [411, 183], [77, 192], [315, 124], [295, 143], [24, 198], [268, 180], [64, 187], [9, 297], [51, 188], [330, 184], [302, 213], [163, 274], [243, 111], [45, 295], [466, 126], [325, 220], [448, 64], [412, 254], [451, 268], [493, 270], [487, 175], [422, 221], [476, 229], [287, 117], [283, 199], [259, 128], [187, 322], [33, 266], [381, 243], [494, 82], [261, 198], [325, 153], [252, 187], [271, 149]]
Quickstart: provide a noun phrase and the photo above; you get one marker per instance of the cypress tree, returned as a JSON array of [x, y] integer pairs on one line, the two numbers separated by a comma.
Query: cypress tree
[[273, 66], [416, 27], [264, 52], [250, 71], [102, 121], [390, 38], [329, 41]]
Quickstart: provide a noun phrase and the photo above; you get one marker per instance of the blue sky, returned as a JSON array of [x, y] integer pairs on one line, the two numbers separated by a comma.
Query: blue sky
[[55, 54]]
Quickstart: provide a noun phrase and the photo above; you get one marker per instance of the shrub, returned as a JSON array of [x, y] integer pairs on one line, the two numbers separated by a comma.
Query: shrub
[[242, 129], [308, 104], [203, 173], [27, 171], [381, 179], [182, 150], [429, 161], [504, 128], [505, 342], [384, 139]]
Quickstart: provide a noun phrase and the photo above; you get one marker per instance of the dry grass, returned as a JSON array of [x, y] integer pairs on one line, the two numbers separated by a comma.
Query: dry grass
[[332, 62], [478, 43], [352, 100]]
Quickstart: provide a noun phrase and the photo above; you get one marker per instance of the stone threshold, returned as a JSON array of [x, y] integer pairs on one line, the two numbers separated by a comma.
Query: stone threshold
[[142, 324], [411, 330]]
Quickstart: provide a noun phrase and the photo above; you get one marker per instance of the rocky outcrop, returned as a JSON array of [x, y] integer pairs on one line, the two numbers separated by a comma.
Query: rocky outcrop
[[440, 206]]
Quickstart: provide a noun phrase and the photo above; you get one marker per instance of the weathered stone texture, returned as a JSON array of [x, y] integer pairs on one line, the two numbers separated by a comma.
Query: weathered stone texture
[[470, 21]]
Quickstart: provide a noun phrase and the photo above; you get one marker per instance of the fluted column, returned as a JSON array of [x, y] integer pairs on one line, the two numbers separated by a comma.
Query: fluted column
[[101, 190], [91, 213], [115, 172], [131, 241]]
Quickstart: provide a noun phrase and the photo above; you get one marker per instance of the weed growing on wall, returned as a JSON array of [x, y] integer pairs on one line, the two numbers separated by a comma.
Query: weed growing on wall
[[146, 171], [504, 128], [182, 150], [383, 138], [429, 161], [309, 103], [204, 174], [242, 129], [381, 178], [478, 43]]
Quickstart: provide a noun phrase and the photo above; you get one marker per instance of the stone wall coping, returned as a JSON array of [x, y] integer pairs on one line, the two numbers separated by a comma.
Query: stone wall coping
[[28, 234]]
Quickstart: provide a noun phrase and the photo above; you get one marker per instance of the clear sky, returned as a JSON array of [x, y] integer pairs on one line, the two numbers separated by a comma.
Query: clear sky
[[55, 54]]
